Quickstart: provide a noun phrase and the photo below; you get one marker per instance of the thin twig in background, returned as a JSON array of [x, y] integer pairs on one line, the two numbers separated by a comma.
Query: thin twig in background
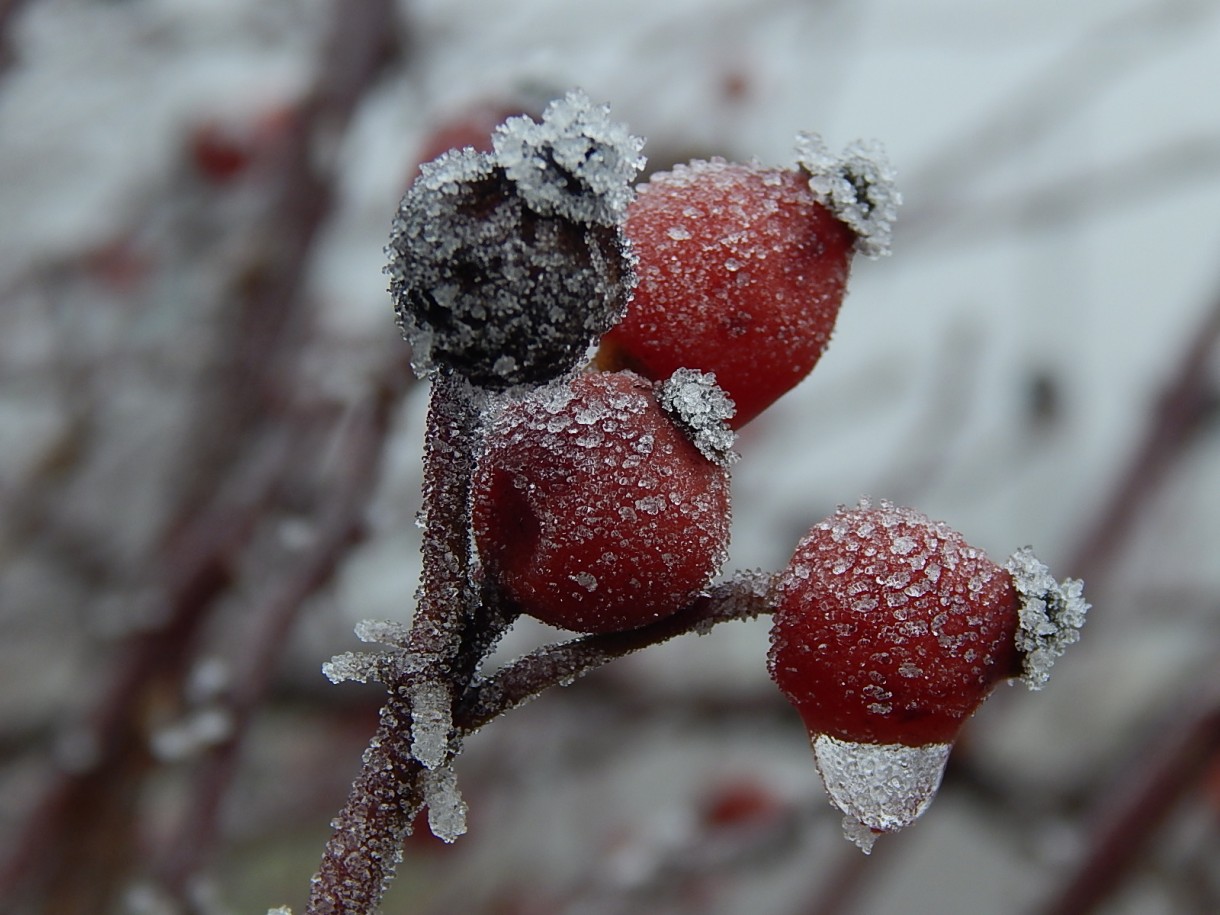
[[1175, 420], [1131, 813], [79, 845], [339, 527]]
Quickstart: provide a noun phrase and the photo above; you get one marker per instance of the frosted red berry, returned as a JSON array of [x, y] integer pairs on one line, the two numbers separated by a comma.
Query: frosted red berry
[[740, 273], [594, 509], [742, 269], [891, 629]]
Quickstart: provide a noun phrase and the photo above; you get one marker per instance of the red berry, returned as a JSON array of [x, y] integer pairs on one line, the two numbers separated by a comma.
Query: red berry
[[222, 150], [890, 628], [594, 509], [742, 269]]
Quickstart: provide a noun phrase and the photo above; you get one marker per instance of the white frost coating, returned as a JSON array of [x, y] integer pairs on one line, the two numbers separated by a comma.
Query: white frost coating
[[701, 407], [446, 808], [357, 666], [431, 723], [880, 787], [1051, 615], [857, 186], [383, 632], [576, 163], [280, 910]]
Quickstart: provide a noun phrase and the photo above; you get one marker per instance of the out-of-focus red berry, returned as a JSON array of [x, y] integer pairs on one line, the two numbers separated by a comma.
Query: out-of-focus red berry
[[740, 803], [222, 150], [890, 628], [594, 509], [472, 127]]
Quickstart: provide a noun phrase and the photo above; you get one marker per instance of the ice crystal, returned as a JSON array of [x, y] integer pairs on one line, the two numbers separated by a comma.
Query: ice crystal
[[1051, 615], [432, 721], [390, 633], [857, 186], [446, 807], [879, 787], [365, 666], [576, 163], [697, 404]]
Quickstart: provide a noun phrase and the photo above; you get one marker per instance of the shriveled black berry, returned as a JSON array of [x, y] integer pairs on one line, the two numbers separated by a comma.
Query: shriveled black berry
[[506, 266]]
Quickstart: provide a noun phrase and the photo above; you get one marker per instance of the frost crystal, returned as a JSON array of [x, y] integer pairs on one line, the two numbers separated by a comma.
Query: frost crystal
[[361, 667], [576, 163], [857, 186], [879, 787], [432, 720], [383, 632], [701, 407], [446, 808], [1051, 615]]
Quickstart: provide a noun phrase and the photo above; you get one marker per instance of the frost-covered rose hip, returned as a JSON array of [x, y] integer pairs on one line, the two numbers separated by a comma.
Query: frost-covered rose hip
[[505, 266], [595, 509], [889, 631], [742, 269]]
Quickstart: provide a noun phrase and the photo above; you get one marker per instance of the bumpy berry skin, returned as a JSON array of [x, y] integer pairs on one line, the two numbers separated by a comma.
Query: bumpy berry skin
[[891, 629], [741, 273], [594, 510]]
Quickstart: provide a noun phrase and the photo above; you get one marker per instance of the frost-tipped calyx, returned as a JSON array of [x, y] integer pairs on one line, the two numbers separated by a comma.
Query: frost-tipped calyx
[[1051, 615], [575, 163], [702, 409], [857, 185], [506, 266]]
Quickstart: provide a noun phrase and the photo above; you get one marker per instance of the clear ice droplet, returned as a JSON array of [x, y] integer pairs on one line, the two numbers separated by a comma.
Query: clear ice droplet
[[880, 787]]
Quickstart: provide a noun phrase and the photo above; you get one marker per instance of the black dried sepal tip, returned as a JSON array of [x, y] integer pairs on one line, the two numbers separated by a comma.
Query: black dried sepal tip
[[499, 273]]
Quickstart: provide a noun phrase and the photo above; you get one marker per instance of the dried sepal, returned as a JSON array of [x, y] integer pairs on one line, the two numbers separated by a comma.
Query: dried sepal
[[857, 185], [1051, 615]]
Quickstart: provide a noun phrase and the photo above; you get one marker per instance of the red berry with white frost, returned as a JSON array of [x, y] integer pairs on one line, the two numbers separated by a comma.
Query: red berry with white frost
[[891, 628], [889, 631], [742, 269], [595, 507]]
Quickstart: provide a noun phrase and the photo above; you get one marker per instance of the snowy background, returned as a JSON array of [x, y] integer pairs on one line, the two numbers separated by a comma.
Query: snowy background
[[195, 342]]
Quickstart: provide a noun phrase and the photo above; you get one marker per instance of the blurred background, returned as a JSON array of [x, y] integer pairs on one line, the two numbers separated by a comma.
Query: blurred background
[[210, 440]]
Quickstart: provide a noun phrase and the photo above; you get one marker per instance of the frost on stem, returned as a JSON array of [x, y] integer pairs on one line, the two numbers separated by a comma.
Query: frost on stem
[[857, 186], [506, 266], [701, 407], [446, 808], [1051, 615], [432, 722], [373, 666]]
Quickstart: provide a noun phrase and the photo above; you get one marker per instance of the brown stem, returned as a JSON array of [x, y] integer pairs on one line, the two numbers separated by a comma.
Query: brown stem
[[746, 597], [363, 852], [447, 589], [361, 856]]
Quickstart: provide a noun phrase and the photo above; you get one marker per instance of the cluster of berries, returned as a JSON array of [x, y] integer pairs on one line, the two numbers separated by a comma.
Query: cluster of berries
[[600, 501]]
